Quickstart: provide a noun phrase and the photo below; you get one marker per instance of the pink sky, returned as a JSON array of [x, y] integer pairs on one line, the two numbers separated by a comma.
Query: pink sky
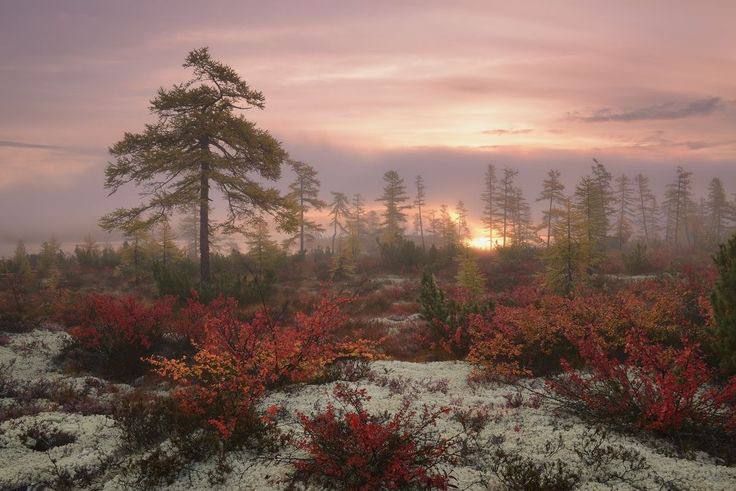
[[354, 88]]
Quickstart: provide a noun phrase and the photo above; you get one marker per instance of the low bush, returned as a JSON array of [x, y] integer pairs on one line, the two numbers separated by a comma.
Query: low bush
[[669, 391], [448, 316], [113, 334], [516, 471], [350, 448], [529, 331], [237, 361]]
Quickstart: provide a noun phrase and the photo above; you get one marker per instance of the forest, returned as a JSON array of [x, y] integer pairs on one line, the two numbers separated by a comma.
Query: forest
[[246, 328]]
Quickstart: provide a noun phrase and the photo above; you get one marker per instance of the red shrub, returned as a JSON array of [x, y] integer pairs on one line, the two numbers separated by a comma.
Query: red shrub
[[112, 333], [356, 450], [237, 361], [192, 317], [528, 332], [657, 388]]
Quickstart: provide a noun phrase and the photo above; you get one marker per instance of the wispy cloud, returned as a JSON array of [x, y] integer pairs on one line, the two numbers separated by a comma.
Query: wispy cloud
[[15, 144], [667, 110], [54, 148], [505, 132]]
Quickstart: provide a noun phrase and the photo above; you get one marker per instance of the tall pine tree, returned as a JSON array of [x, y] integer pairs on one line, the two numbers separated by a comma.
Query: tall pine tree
[[200, 141]]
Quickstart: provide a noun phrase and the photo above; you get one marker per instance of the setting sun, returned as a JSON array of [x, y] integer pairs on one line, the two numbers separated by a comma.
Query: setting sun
[[479, 242]]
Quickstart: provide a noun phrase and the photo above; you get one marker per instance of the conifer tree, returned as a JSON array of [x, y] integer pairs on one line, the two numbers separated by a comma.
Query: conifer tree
[[469, 276], [553, 196], [564, 262], [166, 242], [522, 220], [447, 228], [590, 212], [604, 180], [624, 196], [419, 202], [718, 209], [339, 215], [723, 300], [463, 230], [647, 207], [198, 142], [189, 230], [135, 255], [264, 251], [21, 265], [304, 193], [679, 205], [488, 196], [49, 256], [357, 224], [506, 201], [394, 198]]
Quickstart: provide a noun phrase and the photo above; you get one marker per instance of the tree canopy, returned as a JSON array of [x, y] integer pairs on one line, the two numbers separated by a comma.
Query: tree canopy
[[200, 140]]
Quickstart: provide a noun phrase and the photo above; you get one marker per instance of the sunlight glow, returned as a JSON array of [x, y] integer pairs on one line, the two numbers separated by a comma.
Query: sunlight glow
[[479, 242]]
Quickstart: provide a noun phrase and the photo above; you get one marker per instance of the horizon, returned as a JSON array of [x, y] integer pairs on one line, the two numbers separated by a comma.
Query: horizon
[[356, 90]]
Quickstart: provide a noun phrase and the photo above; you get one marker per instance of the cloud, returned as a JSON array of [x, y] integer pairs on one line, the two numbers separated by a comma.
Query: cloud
[[667, 110], [14, 144], [56, 148], [503, 132]]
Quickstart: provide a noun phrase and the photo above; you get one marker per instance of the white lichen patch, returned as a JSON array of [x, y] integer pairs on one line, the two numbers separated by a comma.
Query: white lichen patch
[[36, 450], [31, 353], [41, 449]]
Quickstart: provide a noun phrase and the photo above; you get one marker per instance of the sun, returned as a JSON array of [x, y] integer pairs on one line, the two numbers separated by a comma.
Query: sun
[[479, 242]]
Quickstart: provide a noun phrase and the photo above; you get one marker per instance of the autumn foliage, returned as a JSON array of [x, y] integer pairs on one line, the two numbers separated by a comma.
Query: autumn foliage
[[349, 447], [112, 333], [237, 361], [655, 387], [529, 330]]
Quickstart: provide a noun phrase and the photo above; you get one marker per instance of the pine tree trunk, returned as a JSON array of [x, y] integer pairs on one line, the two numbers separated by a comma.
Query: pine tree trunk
[[301, 216], [421, 227], [334, 236], [643, 215], [204, 225], [549, 222]]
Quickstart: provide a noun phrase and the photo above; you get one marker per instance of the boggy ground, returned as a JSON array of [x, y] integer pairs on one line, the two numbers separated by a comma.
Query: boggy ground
[[51, 434]]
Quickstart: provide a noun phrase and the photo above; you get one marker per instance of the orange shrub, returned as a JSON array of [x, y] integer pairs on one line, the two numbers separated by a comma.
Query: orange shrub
[[237, 361]]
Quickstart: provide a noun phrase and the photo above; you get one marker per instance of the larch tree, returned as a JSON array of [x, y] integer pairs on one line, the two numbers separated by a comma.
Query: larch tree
[[506, 201], [604, 180], [646, 204], [523, 231], [419, 202], [679, 205], [189, 231], [199, 141], [563, 260], [590, 211], [139, 243], [488, 197], [262, 249], [624, 196], [553, 197], [304, 193], [393, 198], [718, 209], [446, 228], [357, 223], [469, 276], [165, 241], [339, 215], [49, 256], [463, 230], [723, 299]]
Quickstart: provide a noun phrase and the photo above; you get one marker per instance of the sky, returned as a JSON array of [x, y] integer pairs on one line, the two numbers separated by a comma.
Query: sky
[[357, 88]]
